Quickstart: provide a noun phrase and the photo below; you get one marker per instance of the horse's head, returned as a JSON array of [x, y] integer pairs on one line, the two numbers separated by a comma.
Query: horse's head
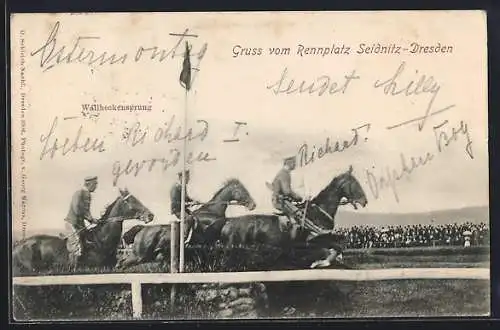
[[351, 190], [130, 207], [233, 192], [240, 195]]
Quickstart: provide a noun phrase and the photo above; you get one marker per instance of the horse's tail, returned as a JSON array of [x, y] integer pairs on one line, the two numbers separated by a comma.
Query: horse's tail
[[129, 236]]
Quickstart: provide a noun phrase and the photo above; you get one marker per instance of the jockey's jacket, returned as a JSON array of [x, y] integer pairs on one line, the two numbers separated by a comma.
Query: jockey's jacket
[[79, 209], [282, 187]]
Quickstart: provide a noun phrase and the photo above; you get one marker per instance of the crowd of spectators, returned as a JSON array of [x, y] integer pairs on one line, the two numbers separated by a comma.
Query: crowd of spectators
[[416, 235]]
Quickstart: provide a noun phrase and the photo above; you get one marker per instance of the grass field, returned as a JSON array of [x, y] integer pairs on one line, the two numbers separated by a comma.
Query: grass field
[[403, 298], [432, 257]]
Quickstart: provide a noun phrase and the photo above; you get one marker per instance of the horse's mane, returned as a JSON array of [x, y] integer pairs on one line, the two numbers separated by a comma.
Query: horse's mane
[[108, 209], [226, 183], [334, 182]]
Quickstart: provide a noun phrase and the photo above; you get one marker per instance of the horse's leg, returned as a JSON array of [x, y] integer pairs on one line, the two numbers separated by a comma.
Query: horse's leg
[[48, 254], [22, 260], [142, 250], [62, 258], [162, 246], [131, 260], [230, 240], [36, 256], [225, 235], [334, 256]]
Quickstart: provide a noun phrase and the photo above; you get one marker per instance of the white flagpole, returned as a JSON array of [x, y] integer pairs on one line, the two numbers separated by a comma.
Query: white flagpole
[[177, 241], [183, 194], [306, 197]]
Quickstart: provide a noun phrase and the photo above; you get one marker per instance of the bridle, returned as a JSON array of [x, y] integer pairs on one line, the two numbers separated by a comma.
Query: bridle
[[315, 228], [139, 215]]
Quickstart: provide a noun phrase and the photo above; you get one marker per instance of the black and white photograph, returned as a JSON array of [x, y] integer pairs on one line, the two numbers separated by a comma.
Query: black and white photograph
[[249, 165]]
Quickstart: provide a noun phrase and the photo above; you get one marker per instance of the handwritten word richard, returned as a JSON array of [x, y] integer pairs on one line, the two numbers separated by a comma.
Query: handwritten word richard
[[169, 132], [422, 85], [52, 54], [319, 86], [51, 143], [307, 156], [132, 167]]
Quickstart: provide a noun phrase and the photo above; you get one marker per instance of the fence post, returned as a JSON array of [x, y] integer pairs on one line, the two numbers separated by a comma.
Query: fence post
[[136, 299]]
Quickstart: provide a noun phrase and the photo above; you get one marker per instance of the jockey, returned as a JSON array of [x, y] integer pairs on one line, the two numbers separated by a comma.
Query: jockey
[[176, 197], [282, 189], [79, 211]]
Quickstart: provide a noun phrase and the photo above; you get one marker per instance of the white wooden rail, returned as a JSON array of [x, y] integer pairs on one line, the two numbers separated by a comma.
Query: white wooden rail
[[136, 280]]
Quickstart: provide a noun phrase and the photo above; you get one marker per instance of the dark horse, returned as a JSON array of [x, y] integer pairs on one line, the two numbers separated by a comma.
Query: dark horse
[[153, 242], [100, 243], [321, 210]]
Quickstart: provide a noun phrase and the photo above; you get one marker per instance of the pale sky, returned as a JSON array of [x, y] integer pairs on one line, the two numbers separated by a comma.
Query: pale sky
[[229, 89]]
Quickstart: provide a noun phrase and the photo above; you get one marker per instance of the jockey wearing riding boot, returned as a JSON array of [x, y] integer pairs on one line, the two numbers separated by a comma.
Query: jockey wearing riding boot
[[282, 189], [79, 211], [176, 197]]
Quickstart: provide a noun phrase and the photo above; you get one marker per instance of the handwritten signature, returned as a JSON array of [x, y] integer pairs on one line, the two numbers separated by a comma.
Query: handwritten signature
[[319, 86], [134, 167], [307, 157], [52, 54], [169, 132], [423, 85], [390, 176], [51, 143], [444, 139]]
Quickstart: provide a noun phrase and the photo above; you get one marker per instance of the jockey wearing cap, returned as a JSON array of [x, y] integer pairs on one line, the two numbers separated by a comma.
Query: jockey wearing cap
[[79, 211], [282, 186]]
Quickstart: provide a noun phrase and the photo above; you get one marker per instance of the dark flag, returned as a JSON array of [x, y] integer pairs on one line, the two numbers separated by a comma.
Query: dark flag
[[185, 78]]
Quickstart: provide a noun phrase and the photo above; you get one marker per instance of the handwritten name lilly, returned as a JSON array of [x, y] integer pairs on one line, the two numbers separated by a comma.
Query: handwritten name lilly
[[51, 53]]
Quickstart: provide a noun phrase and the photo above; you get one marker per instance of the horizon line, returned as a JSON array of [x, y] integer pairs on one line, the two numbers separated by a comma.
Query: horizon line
[[419, 212]]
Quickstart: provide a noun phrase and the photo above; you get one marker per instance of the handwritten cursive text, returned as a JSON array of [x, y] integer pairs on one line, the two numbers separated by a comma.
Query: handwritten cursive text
[[309, 155], [423, 85], [319, 86], [169, 132], [52, 53], [444, 139], [51, 144], [132, 167], [389, 177]]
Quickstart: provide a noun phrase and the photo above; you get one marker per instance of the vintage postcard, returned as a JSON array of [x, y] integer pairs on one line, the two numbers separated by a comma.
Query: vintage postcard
[[249, 165]]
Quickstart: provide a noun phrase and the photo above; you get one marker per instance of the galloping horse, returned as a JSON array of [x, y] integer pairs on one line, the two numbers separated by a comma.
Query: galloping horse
[[152, 242], [321, 210], [100, 243]]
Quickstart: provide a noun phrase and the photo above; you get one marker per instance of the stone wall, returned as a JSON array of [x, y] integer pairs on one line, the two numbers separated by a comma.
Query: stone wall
[[248, 300]]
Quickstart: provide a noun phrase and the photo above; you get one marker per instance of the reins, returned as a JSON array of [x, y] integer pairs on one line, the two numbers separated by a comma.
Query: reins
[[100, 221], [216, 203], [112, 219]]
